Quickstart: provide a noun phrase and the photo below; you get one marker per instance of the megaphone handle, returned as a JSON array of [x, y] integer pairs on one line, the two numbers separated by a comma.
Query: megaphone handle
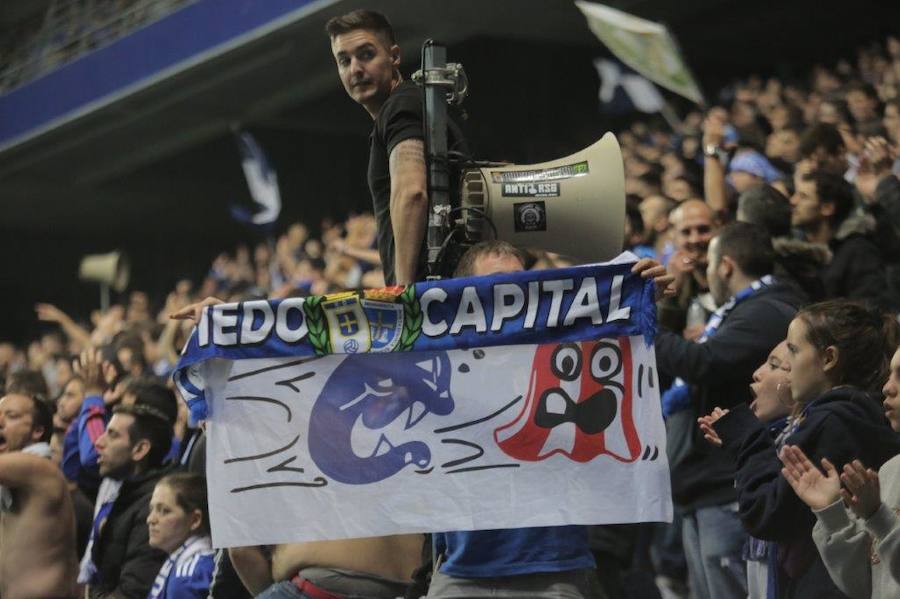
[[104, 296]]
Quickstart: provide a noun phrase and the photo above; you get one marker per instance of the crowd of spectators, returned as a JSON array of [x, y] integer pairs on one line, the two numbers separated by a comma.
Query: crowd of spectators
[[783, 196], [69, 29]]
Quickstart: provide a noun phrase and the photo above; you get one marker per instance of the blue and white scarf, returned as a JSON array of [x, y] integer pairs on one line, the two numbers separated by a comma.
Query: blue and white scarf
[[106, 497], [183, 555], [677, 397], [768, 550]]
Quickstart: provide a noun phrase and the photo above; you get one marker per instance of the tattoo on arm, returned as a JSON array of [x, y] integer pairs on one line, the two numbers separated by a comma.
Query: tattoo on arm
[[410, 151]]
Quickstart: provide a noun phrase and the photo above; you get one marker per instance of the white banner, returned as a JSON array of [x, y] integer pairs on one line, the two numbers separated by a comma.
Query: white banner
[[643, 45], [640, 91], [348, 446]]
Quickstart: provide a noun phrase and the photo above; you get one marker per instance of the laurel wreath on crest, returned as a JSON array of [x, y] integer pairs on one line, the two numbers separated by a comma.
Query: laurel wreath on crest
[[315, 322], [412, 319]]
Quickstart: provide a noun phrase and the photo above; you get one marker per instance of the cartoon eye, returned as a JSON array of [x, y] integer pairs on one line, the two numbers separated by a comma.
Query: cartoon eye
[[566, 362], [385, 383], [606, 362]]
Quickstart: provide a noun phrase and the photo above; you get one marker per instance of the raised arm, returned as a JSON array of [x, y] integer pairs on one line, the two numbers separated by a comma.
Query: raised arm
[[32, 473], [409, 206], [50, 313], [714, 190]]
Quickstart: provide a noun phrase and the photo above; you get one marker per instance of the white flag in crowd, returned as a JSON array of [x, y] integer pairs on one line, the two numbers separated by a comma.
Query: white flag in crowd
[[643, 45]]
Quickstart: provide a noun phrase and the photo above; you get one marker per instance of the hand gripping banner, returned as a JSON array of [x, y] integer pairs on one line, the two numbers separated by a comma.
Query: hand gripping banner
[[521, 399]]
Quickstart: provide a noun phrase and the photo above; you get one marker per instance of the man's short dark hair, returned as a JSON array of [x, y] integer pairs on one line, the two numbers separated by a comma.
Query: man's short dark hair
[[155, 410], [635, 219], [821, 135], [766, 206], [833, 189], [369, 20], [750, 246], [652, 178], [154, 430], [466, 265], [42, 416], [27, 382], [135, 345], [861, 86]]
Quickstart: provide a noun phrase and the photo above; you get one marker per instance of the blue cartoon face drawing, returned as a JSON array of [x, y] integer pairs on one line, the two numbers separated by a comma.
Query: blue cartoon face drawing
[[366, 408]]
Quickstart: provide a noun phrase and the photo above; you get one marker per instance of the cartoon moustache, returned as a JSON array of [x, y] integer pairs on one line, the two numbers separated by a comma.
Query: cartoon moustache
[[591, 416]]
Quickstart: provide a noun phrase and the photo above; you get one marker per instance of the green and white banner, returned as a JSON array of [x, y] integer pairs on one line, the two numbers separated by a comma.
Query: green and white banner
[[643, 45]]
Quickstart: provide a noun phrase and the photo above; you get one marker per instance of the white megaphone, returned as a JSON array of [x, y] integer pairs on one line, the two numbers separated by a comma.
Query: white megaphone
[[573, 206], [110, 270]]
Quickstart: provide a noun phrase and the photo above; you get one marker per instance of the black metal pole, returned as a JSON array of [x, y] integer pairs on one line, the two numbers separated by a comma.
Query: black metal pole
[[435, 57]]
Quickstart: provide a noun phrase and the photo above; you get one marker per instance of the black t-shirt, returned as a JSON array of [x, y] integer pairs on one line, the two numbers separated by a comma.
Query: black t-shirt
[[399, 119]]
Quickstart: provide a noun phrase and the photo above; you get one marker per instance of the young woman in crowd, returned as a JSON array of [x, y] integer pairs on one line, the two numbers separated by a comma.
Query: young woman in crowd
[[771, 391], [179, 525], [861, 551], [838, 354], [772, 405]]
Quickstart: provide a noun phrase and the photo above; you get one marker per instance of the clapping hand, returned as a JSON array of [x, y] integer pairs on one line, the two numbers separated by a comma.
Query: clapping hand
[[706, 425], [863, 492], [875, 163], [815, 489]]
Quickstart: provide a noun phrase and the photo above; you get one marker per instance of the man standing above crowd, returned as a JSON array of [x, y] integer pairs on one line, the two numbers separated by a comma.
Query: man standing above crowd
[[37, 520], [368, 62], [119, 560]]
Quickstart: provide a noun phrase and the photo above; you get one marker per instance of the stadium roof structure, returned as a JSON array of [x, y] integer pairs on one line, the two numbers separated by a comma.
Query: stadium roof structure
[[167, 90], [129, 145]]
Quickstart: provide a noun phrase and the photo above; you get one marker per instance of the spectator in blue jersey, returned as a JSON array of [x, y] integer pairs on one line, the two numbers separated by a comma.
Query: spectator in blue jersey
[[550, 561], [79, 461], [103, 391], [179, 525]]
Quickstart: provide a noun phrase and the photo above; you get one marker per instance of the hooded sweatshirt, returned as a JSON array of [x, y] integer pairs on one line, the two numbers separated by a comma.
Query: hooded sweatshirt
[[843, 424]]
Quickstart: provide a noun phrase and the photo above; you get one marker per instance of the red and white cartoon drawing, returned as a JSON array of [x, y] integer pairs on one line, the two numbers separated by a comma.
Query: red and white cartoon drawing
[[579, 404]]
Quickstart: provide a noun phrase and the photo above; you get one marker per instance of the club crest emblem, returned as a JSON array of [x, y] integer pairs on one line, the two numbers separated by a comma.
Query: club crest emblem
[[348, 329], [385, 321]]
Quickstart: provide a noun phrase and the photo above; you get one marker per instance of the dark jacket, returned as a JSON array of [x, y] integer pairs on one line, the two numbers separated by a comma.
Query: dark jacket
[[799, 265], [842, 425], [886, 211], [719, 373], [126, 564], [856, 269]]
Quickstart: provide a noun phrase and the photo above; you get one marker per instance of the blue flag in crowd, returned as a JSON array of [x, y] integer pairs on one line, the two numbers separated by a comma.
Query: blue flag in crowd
[[262, 181]]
